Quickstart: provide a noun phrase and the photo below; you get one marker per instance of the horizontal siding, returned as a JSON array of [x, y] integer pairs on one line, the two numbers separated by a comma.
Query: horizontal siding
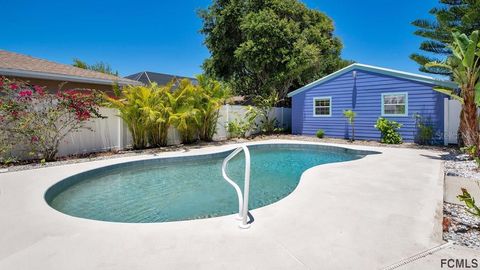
[[422, 99]]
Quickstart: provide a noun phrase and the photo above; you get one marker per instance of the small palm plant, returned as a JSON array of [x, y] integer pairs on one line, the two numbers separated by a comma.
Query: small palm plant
[[469, 201], [350, 115]]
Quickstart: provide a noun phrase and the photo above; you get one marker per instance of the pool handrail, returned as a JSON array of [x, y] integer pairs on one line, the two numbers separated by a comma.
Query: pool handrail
[[242, 199]]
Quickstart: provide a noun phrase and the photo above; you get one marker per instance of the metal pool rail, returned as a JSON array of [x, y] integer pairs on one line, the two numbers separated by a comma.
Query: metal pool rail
[[242, 199]]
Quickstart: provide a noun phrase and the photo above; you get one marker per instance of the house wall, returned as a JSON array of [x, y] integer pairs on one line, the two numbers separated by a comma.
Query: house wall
[[363, 94], [53, 86]]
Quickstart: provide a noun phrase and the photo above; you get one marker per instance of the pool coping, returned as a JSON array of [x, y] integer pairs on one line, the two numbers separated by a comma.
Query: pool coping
[[29, 206], [70, 181]]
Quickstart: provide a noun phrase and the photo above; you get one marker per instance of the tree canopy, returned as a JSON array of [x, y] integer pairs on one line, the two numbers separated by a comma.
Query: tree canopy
[[99, 66], [264, 46], [451, 16]]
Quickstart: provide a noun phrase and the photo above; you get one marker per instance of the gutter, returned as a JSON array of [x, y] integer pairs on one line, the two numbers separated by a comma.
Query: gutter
[[61, 77]]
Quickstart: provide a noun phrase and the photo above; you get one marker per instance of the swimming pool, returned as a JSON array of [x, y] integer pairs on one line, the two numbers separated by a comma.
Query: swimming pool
[[190, 187]]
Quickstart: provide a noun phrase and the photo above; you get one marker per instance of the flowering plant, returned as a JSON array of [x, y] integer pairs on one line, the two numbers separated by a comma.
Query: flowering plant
[[36, 121]]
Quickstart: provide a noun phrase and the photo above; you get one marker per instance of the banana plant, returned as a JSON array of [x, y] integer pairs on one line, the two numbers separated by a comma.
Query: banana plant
[[464, 63]]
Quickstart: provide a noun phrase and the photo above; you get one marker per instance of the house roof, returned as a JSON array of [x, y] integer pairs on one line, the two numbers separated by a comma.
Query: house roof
[[380, 70], [20, 65], [148, 77]]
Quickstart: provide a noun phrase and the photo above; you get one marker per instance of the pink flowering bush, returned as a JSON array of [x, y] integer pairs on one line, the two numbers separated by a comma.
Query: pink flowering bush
[[35, 121]]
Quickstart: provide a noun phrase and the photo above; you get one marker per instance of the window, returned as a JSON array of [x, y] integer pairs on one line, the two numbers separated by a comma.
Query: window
[[395, 104], [322, 106]]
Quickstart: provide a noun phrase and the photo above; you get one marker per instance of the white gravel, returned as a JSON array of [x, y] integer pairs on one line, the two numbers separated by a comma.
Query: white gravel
[[457, 164], [464, 227]]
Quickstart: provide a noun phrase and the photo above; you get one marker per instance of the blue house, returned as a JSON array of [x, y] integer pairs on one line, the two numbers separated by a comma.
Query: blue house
[[371, 92]]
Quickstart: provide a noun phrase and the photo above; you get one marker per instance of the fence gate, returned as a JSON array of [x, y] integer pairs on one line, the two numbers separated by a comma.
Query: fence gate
[[451, 116]]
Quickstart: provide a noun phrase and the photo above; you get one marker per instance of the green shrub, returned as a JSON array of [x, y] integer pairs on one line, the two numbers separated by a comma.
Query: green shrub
[[236, 129], [239, 127], [470, 150], [268, 124], [425, 130], [388, 130], [320, 133], [425, 134]]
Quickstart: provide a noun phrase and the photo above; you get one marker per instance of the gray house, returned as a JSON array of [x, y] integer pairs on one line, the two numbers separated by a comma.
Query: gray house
[[148, 77]]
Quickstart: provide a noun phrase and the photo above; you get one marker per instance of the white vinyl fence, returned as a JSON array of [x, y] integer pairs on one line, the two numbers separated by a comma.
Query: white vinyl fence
[[452, 109], [111, 133]]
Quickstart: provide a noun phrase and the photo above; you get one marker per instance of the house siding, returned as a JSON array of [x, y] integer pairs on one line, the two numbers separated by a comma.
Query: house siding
[[363, 94]]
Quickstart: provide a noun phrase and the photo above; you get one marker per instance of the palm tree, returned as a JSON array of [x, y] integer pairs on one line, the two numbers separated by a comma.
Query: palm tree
[[156, 109], [212, 96], [185, 113], [129, 104], [464, 63], [350, 115]]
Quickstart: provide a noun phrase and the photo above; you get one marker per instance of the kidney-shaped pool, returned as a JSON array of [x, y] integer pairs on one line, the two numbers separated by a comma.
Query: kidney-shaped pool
[[188, 187]]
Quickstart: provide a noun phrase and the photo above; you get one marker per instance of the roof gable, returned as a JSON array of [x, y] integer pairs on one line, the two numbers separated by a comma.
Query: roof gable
[[379, 70], [159, 78]]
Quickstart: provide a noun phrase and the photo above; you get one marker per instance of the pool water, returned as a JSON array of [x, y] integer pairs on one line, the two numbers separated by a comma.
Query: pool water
[[184, 188]]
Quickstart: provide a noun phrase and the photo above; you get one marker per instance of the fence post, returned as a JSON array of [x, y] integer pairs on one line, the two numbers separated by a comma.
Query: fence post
[[446, 120], [227, 112], [283, 123], [120, 132]]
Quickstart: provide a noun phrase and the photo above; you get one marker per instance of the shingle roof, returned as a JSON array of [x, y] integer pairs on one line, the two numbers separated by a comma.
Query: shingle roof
[[20, 65], [148, 77], [385, 71]]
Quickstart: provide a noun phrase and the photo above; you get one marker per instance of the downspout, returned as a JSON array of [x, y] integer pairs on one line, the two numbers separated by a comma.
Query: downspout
[[354, 90]]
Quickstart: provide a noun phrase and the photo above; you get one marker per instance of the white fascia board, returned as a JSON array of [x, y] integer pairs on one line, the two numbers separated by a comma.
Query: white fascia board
[[380, 70], [61, 77]]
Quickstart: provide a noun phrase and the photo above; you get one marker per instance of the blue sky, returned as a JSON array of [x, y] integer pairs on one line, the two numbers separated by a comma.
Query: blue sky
[[163, 36]]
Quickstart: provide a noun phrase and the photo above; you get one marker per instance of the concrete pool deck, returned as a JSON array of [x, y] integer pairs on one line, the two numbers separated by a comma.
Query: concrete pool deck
[[369, 213]]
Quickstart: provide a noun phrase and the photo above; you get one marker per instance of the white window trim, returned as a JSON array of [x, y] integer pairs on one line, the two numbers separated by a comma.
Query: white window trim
[[395, 93], [330, 107]]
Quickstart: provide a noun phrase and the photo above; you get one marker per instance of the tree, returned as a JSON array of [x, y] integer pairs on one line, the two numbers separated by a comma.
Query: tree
[[350, 115], [264, 46], [453, 16], [100, 67], [464, 64]]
